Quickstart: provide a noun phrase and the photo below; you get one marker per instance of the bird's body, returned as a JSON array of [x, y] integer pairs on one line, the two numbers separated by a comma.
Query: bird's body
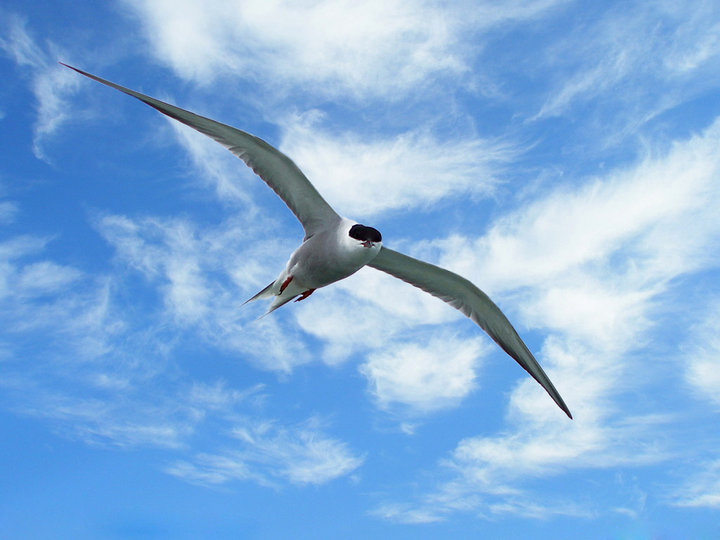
[[329, 255], [335, 247]]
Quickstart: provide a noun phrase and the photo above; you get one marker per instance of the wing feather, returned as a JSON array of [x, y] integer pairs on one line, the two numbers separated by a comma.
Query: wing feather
[[472, 302], [276, 169]]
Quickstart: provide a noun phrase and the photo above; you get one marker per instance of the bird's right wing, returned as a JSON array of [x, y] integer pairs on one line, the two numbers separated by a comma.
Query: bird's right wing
[[467, 298], [275, 168]]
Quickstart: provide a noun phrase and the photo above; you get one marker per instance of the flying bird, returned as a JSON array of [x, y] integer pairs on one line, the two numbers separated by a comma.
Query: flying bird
[[335, 247]]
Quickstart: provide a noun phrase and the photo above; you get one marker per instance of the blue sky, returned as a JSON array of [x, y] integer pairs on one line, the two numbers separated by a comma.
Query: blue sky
[[564, 156]]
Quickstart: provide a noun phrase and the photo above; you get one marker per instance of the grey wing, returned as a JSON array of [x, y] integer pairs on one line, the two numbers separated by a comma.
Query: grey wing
[[467, 298], [275, 168]]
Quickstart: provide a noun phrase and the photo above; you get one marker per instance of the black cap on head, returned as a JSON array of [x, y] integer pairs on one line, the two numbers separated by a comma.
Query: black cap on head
[[363, 233]]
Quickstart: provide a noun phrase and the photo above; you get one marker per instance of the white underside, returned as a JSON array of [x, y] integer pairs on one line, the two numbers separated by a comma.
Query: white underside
[[328, 256]]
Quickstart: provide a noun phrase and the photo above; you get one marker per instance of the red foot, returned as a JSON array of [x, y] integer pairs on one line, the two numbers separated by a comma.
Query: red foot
[[305, 294], [285, 284]]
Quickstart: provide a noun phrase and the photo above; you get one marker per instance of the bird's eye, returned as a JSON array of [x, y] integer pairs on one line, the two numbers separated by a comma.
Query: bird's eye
[[365, 234]]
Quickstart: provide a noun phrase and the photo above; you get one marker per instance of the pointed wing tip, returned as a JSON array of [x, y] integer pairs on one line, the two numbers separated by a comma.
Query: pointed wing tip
[[558, 400], [555, 395], [560, 403], [548, 386], [81, 72], [69, 66]]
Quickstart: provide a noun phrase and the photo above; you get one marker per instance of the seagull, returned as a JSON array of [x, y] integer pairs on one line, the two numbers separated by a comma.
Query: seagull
[[335, 247]]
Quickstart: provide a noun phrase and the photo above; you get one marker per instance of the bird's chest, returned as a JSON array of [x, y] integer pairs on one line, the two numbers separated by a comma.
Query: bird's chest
[[319, 263]]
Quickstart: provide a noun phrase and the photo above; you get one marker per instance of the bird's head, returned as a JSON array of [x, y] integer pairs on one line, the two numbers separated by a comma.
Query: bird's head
[[366, 236]]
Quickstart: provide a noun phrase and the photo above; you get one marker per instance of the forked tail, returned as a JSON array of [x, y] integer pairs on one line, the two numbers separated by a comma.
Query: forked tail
[[278, 299]]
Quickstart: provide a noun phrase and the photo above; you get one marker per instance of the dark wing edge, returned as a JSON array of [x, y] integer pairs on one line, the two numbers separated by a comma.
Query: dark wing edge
[[276, 169], [461, 294]]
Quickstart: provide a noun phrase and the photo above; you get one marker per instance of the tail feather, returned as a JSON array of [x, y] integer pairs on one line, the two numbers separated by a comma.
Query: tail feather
[[291, 291], [280, 300], [265, 293]]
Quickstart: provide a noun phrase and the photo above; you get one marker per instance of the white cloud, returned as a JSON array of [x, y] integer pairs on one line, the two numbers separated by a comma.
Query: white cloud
[[34, 291], [101, 423], [362, 177], [331, 47], [300, 454], [121, 405], [423, 376], [408, 514], [694, 44], [77, 351], [19, 45], [610, 68], [629, 52], [378, 48], [344, 324], [51, 83], [8, 212], [702, 489], [73, 353], [46, 277], [218, 397], [703, 357]]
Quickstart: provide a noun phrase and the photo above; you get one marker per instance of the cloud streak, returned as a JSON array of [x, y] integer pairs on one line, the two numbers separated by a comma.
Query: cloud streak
[[51, 84], [365, 177], [299, 455], [703, 357], [610, 68], [702, 489]]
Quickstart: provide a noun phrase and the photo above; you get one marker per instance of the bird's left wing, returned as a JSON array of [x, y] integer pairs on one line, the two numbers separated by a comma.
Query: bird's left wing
[[467, 298], [275, 168]]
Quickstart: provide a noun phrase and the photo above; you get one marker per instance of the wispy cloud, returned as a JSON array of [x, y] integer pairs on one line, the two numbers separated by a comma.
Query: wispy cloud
[[51, 84], [270, 453], [8, 211], [61, 331], [616, 62], [110, 421], [366, 176], [329, 47], [702, 352], [702, 489]]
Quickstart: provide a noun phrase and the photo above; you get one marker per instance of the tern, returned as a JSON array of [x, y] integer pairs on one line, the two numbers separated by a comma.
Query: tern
[[335, 247]]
